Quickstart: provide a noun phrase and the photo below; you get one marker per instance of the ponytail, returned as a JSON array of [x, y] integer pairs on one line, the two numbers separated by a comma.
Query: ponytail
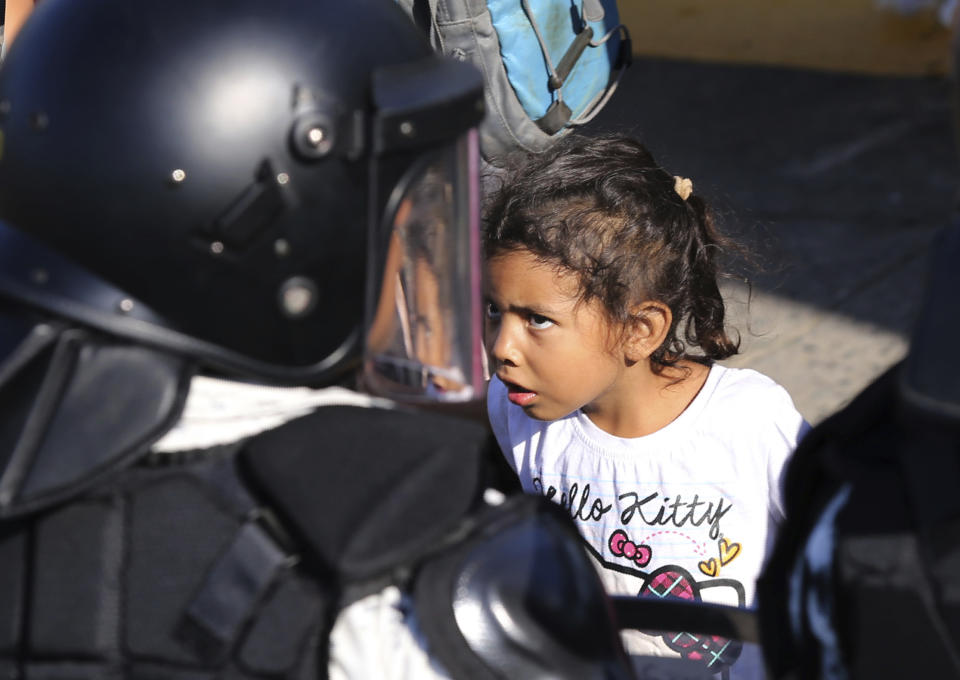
[[705, 326], [691, 286]]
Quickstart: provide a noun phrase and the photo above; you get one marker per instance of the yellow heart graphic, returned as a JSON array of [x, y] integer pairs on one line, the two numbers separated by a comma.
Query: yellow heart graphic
[[710, 567], [728, 551]]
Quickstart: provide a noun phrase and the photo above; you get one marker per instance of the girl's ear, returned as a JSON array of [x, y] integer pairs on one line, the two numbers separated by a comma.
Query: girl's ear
[[651, 323]]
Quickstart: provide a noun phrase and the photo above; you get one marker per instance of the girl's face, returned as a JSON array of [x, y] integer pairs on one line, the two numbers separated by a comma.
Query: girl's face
[[554, 354]]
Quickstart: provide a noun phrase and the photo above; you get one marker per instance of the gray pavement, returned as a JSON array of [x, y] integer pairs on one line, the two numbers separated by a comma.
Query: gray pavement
[[836, 182]]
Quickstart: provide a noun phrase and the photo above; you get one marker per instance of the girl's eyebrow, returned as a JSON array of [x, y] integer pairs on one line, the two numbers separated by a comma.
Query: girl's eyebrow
[[542, 310], [539, 311]]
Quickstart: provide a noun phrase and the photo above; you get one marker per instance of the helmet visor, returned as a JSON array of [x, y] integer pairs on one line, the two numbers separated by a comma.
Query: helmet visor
[[423, 339]]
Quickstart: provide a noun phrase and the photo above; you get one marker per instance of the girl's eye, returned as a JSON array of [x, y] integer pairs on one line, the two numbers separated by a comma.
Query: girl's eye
[[492, 312], [540, 322]]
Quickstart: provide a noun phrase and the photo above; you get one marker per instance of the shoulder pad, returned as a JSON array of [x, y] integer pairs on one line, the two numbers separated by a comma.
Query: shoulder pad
[[368, 489], [77, 406]]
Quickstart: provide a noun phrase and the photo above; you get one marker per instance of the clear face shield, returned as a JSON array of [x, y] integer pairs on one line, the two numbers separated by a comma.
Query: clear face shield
[[424, 340]]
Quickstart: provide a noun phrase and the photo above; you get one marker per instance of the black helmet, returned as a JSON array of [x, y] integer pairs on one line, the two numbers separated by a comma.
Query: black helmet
[[229, 180]]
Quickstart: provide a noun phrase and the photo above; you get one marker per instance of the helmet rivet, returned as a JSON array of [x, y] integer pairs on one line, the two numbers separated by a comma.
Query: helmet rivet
[[298, 297], [39, 276], [493, 497], [126, 305], [315, 136], [216, 247], [406, 128], [178, 175], [281, 247], [283, 178]]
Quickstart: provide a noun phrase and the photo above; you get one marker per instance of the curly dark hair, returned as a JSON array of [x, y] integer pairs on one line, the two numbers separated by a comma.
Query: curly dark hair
[[603, 208]]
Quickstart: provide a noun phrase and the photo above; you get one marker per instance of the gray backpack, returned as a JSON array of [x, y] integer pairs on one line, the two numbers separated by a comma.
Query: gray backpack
[[549, 65]]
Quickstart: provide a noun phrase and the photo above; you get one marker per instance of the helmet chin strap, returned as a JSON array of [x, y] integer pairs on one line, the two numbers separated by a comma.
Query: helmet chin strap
[[51, 446]]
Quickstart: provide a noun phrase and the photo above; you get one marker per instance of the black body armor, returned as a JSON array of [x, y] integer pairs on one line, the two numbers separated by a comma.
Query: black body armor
[[233, 562], [871, 546]]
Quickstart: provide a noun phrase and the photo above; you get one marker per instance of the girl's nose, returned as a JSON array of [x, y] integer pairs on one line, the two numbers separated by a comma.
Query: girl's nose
[[502, 346]]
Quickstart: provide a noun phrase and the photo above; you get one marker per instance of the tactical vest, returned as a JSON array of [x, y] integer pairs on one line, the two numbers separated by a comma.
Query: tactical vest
[[233, 562]]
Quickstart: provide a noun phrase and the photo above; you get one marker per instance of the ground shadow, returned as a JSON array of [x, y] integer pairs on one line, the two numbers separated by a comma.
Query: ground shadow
[[838, 181]]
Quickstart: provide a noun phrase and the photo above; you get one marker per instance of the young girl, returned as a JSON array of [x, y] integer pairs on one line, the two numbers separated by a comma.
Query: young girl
[[603, 325]]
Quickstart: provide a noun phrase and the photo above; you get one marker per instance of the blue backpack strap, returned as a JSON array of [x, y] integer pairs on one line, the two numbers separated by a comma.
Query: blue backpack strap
[[547, 65], [560, 61]]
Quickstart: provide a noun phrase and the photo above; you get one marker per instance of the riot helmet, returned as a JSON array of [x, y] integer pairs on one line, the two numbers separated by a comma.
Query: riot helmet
[[265, 187]]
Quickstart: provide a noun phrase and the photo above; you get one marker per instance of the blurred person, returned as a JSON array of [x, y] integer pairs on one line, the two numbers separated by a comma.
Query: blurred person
[[217, 221], [946, 10], [864, 576]]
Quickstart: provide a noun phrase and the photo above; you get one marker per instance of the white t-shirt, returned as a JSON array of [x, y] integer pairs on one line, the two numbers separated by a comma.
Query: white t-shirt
[[687, 511]]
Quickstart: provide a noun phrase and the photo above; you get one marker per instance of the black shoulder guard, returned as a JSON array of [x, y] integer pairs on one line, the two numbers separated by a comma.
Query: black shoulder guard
[[520, 599], [53, 444], [367, 490]]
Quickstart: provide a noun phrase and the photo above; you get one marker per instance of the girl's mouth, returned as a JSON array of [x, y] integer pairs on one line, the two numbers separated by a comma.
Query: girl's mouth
[[520, 396]]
